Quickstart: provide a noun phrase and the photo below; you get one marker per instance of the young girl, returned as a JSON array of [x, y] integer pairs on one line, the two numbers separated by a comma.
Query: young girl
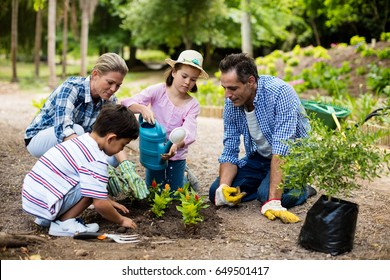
[[172, 106]]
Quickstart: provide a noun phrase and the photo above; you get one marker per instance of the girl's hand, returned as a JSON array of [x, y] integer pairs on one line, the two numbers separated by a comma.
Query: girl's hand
[[148, 115], [171, 152]]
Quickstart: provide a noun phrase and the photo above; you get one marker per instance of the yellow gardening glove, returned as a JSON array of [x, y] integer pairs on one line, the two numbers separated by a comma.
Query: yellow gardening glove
[[226, 195], [273, 209]]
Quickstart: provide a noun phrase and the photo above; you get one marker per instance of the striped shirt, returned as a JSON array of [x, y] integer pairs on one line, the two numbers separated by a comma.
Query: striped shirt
[[279, 113], [71, 103], [74, 162]]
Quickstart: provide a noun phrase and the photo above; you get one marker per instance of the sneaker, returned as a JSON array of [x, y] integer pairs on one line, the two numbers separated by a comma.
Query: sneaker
[[93, 227], [310, 191], [42, 222], [70, 227], [191, 178]]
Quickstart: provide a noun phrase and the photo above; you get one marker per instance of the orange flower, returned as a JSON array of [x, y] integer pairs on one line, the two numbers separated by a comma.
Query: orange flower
[[167, 187], [187, 197], [180, 190]]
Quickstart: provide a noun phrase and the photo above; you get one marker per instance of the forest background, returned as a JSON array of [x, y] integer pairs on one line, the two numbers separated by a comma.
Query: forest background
[[146, 31]]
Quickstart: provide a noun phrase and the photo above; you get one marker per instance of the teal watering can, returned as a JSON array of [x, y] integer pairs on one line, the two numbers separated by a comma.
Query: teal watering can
[[153, 142]]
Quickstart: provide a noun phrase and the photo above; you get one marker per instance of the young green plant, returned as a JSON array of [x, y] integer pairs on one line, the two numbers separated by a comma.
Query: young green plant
[[161, 200], [190, 205]]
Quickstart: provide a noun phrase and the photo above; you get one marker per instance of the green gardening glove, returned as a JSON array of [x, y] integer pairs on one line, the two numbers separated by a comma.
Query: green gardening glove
[[133, 180], [115, 182]]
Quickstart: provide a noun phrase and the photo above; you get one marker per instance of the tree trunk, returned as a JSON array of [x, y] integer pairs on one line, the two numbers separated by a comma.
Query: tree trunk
[[315, 31], [51, 43], [14, 39], [87, 9], [38, 40], [246, 36], [73, 21], [133, 57], [65, 38], [84, 37]]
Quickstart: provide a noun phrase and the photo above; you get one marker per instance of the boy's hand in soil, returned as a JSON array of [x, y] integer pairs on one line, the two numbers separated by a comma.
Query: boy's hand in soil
[[226, 195], [273, 209], [128, 223], [119, 206]]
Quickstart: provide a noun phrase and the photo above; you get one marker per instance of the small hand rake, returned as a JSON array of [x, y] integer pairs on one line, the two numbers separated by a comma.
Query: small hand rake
[[118, 238]]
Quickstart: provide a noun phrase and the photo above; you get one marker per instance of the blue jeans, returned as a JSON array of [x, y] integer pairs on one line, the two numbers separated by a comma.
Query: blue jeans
[[172, 175], [68, 201], [253, 178]]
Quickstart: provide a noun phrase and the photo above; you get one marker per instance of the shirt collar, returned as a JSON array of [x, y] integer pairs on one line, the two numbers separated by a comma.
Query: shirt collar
[[257, 97], [87, 86]]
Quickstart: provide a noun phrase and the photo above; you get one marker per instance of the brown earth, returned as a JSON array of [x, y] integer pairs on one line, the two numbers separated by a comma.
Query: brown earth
[[226, 233]]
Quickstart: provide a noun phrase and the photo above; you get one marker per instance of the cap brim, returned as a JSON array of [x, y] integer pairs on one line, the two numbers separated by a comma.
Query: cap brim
[[203, 73]]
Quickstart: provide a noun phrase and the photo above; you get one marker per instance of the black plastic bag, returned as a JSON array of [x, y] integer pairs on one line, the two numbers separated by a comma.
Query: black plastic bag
[[330, 226]]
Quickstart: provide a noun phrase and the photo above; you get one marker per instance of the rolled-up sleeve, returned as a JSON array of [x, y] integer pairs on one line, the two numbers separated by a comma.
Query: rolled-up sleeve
[[143, 98]]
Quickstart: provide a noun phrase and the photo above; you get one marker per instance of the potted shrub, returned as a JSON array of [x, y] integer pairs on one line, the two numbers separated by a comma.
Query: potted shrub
[[335, 161]]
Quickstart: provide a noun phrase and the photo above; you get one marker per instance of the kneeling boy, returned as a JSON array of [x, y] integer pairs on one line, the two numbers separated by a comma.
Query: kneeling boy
[[73, 175]]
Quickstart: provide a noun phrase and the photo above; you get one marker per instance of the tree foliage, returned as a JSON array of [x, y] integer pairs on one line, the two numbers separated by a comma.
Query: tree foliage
[[172, 25], [154, 23], [361, 15]]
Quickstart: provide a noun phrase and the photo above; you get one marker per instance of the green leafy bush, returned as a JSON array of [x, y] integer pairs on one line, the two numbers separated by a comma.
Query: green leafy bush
[[210, 93], [322, 75], [361, 70], [334, 160], [383, 53], [378, 79], [385, 36], [358, 42]]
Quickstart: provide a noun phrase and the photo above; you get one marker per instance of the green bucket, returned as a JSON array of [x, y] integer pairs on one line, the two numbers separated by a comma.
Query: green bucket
[[324, 111]]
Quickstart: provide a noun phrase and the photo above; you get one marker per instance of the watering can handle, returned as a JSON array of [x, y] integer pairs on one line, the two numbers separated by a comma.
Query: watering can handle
[[140, 119]]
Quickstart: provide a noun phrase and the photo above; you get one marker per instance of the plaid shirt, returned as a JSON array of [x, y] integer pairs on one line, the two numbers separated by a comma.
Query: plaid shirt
[[280, 116], [69, 104]]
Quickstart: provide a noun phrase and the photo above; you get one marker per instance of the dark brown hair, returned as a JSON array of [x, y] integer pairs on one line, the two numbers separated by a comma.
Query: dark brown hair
[[242, 63], [117, 119]]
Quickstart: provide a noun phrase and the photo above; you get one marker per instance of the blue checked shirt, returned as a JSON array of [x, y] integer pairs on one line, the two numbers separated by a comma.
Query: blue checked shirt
[[279, 114], [69, 104]]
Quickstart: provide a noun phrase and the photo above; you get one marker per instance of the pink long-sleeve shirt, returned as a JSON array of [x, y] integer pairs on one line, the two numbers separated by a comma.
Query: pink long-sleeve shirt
[[169, 115]]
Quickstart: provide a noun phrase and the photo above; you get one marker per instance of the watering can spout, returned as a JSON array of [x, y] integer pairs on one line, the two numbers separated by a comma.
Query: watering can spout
[[177, 135]]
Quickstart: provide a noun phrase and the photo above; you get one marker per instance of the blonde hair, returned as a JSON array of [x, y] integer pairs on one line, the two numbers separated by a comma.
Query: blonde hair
[[111, 62]]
